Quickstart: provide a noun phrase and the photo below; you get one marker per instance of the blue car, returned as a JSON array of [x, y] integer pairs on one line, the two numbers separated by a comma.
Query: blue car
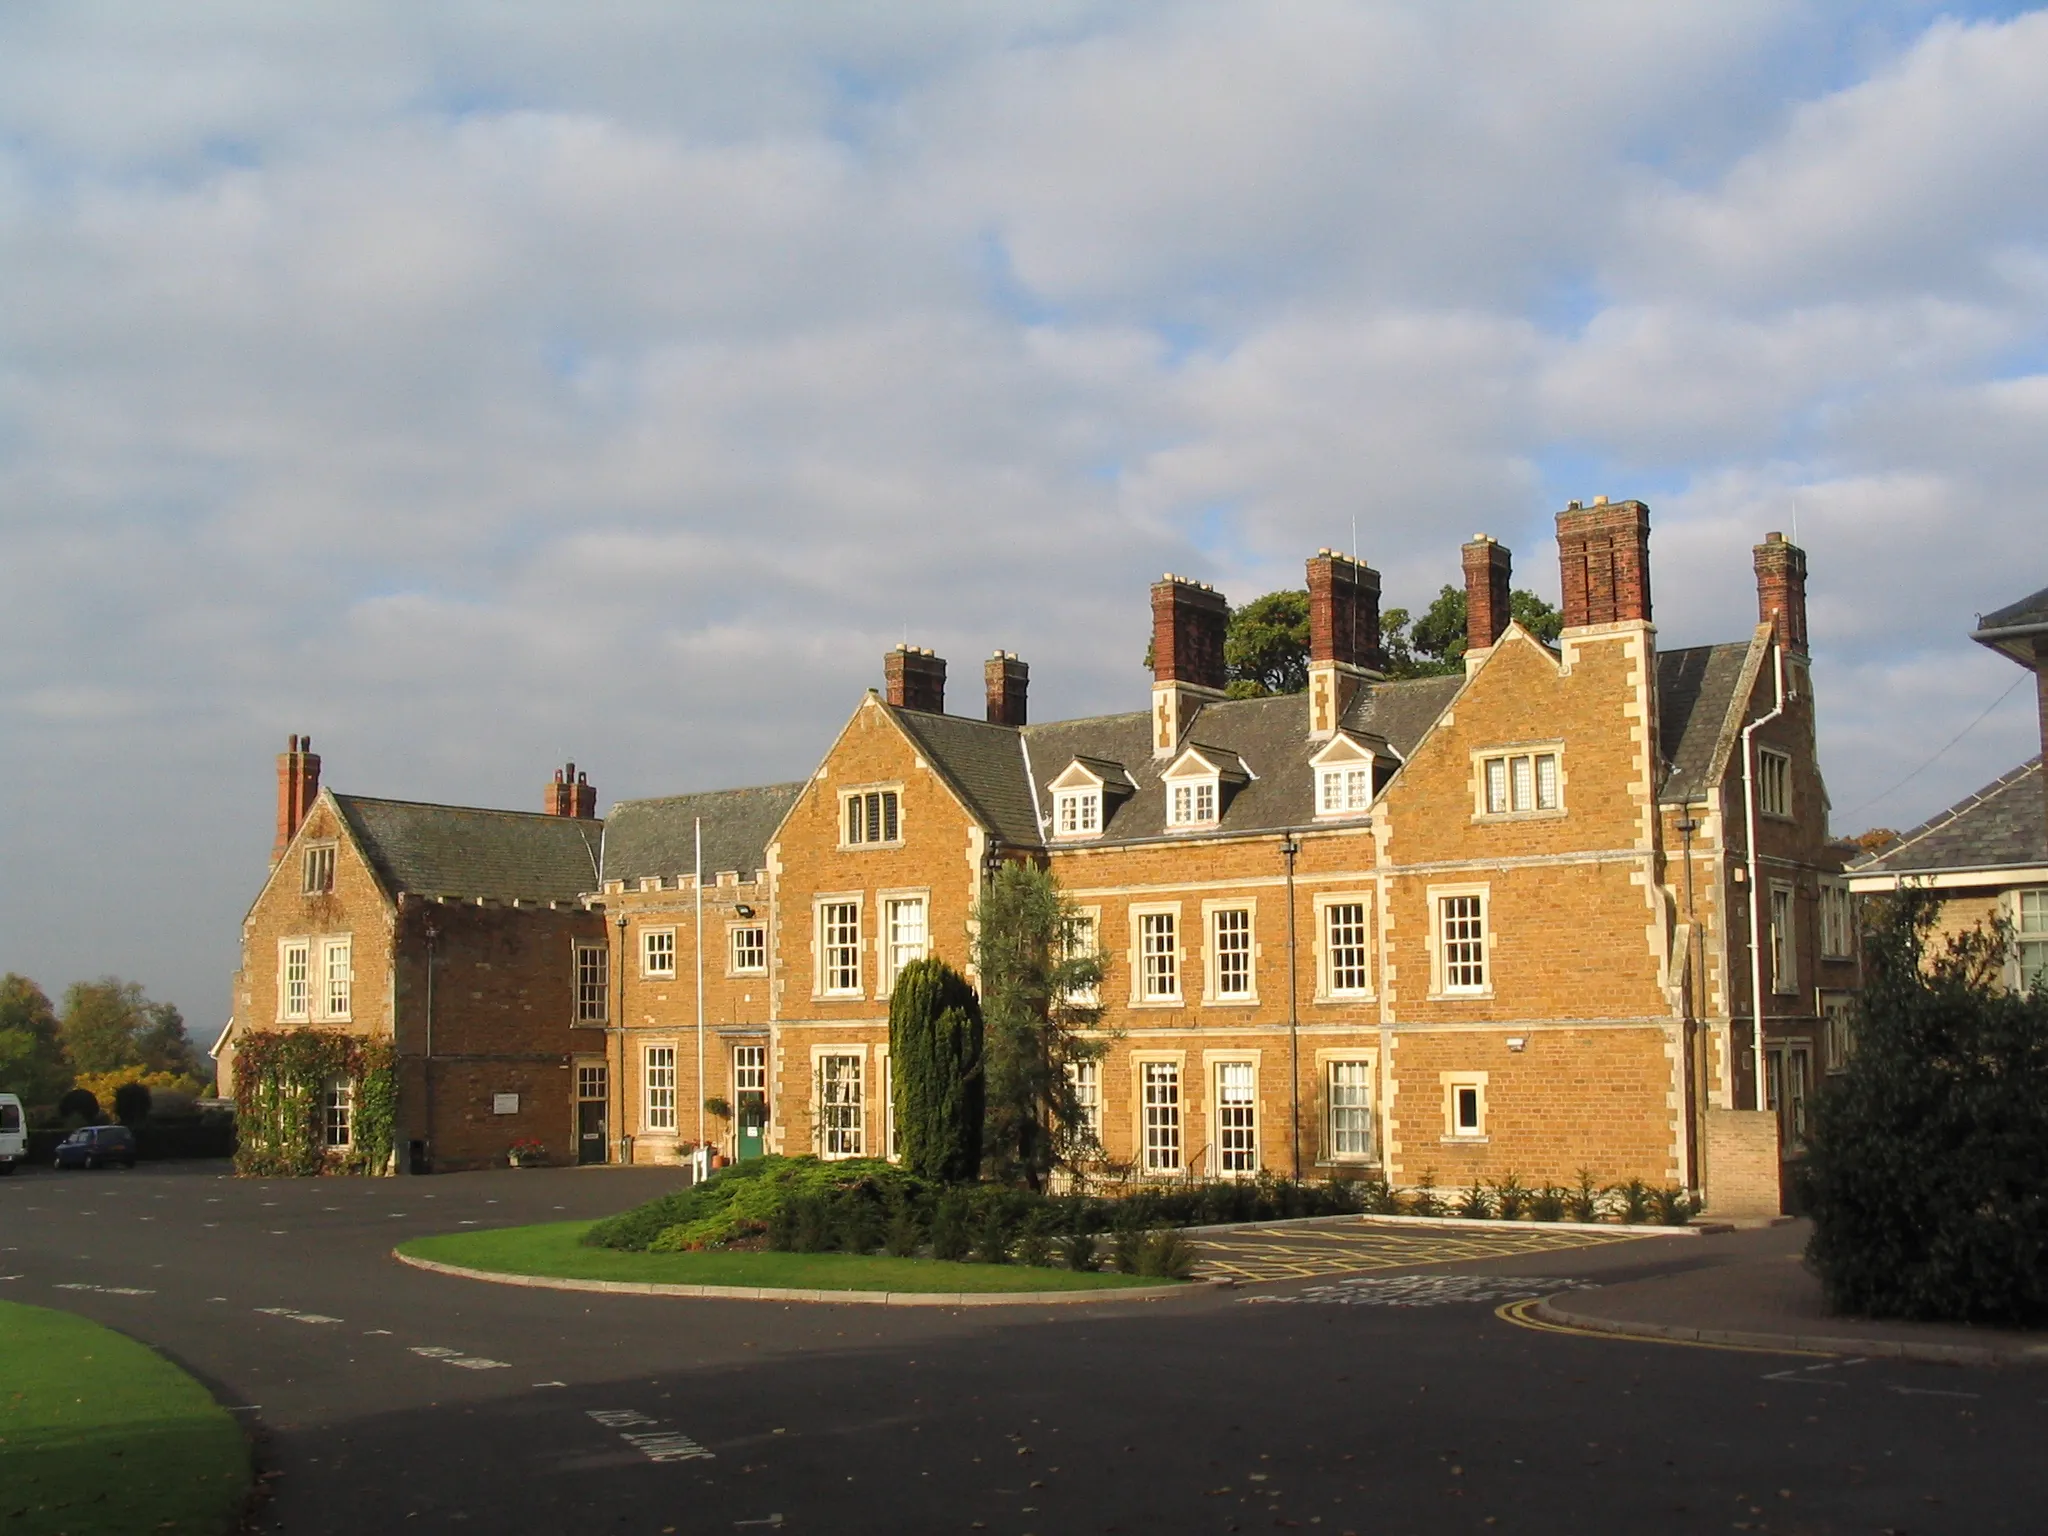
[[96, 1146]]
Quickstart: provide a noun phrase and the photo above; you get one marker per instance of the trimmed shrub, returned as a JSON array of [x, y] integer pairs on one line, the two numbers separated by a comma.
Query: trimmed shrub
[[1672, 1206], [1475, 1204], [1424, 1200], [951, 1238], [992, 1236], [1167, 1255], [79, 1105], [1510, 1198], [1547, 1203], [1632, 1202], [904, 1235], [1926, 1169], [131, 1103], [1583, 1203], [935, 1061], [1081, 1251]]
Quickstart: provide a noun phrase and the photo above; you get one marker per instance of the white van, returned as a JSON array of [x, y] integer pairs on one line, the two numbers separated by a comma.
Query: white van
[[13, 1133]]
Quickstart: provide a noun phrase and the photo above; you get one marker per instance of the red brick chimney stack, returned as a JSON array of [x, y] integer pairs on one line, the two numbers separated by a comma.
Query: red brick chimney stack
[[1603, 553], [915, 679], [572, 794], [298, 786], [1489, 568], [1781, 590], [1344, 612], [1008, 680], [1189, 619]]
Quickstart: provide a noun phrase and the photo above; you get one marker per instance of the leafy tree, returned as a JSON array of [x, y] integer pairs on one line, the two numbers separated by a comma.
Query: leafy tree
[[1266, 646], [1926, 1171], [32, 1064], [1031, 987], [110, 1024], [935, 1065], [1434, 644]]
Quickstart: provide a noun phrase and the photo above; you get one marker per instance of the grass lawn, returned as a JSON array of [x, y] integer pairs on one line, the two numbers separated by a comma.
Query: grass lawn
[[553, 1250], [100, 1434]]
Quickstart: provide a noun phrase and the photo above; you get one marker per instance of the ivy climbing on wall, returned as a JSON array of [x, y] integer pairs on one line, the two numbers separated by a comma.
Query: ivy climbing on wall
[[281, 1079]]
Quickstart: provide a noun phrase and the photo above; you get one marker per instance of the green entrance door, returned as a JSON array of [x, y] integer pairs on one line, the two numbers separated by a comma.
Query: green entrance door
[[752, 1138]]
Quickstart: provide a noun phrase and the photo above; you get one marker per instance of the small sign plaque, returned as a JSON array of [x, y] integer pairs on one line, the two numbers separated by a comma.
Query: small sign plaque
[[504, 1103]]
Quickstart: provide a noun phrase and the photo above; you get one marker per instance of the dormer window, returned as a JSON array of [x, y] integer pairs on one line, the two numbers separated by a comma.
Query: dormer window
[[1077, 812], [1193, 804], [1198, 784], [1081, 796], [1346, 776]]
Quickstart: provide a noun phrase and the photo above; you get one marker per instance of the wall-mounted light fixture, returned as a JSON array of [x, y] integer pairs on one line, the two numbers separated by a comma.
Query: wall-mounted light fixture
[[1516, 1042], [743, 909]]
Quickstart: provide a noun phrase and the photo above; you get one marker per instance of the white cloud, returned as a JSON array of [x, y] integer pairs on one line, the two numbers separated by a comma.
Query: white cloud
[[484, 387]]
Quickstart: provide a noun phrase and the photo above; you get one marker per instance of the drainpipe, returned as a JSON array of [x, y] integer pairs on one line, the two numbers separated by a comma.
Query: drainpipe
[[1686, 826], [427, 1061], [1289, 848], [703, 1152], [1756, 907], [618, 1072]]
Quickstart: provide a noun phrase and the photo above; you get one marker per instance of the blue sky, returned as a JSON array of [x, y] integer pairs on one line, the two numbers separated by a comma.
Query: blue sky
[[483, 386]]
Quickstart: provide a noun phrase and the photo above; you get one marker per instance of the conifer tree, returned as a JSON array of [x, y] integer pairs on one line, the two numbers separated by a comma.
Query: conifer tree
[[935, 1062]]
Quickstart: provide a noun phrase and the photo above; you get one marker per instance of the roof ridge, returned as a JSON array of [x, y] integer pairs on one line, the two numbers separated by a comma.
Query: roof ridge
[[698, 794], [475, 810]]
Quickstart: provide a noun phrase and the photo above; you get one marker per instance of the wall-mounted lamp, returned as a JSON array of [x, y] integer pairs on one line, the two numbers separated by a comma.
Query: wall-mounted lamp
[[743, 909], [1516, 1042]]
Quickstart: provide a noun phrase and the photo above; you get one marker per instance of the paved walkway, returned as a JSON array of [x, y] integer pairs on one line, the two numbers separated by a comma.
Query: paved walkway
[[1299, 1251]]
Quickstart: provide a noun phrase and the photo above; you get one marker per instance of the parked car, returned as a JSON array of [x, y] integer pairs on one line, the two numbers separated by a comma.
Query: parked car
[[13, 1133], [96, 1146]]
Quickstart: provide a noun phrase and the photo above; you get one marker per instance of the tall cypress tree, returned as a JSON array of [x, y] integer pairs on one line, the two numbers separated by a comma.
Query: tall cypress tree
[[935, 1040]]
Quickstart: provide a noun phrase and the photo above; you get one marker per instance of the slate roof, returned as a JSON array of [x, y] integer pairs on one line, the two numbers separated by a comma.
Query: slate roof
[[2013, 628], [2002, 825], [459, 850], [985, 767], [658, 837], [1696, 690]]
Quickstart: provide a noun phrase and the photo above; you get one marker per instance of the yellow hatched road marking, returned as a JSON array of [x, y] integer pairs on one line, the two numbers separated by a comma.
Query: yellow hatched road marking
[[1522, 1315], [1255, 1254]]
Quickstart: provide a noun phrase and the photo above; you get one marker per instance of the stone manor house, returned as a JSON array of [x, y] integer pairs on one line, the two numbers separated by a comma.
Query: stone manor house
[[1576, 907]]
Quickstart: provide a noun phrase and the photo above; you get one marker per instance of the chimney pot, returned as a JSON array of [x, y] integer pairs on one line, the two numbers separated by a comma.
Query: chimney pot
[[1603, 554], [1489, 569]]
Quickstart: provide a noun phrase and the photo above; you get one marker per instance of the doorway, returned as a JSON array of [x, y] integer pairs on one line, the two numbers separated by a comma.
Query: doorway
[[592, 1101], [750, 1087]]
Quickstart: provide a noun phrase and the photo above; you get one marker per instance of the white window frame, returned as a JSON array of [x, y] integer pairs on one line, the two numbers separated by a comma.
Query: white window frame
[[337, 979], [1344, 789], [1326, 949], [897, 952], [742, 958], [1215, 914], [879, 810], [1783, 937], [749, 1072], [301, 1008], [1086, 1080], [826, 953], [1837, 921], [1087, 921], [2029, 934], [1838, 1042], [591, 966], [1144, 951], [316, 870], [338, 1114], [1440, 957], [654, 943], [1774, 783], [839, 1120], [1161, 1106], [1194, 801], [1347, 1079], [1522, 781], [1077, 812], [660, 1088], [1234, 1121], [1456, 1085]]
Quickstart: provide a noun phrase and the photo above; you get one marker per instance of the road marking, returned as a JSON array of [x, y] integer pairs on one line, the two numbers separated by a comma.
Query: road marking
[[1422, 1290], [1928, 1392], [774, 1521], [647, 1436], [1522, 1315], [368, 1332], [297, 1317], [551, 1383], [103, 1290], [457, 1358]]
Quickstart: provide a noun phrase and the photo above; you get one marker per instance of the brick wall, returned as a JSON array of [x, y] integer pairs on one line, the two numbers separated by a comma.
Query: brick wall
[[1743, 1176]]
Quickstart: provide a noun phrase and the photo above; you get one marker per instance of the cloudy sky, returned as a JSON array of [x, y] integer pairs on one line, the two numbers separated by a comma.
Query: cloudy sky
[[477, 386]]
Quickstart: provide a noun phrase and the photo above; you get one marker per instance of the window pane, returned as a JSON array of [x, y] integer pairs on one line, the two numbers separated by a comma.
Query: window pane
[[1160, 962], [1464, 944], [750, 1069], [1546, 782], [1205, 802], [906, 933], [1496, 785], [590, 1082], [1351, 1108], [1523, 784], [297, 981], [1357, 788], [1237, 1117], [593, 964], [1345, 943], [661, 1087], [1086, 1077], [839, 945], [337, 979], [1161, 1087], [1233, 941], [1468, 1109], [841, 1111]]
